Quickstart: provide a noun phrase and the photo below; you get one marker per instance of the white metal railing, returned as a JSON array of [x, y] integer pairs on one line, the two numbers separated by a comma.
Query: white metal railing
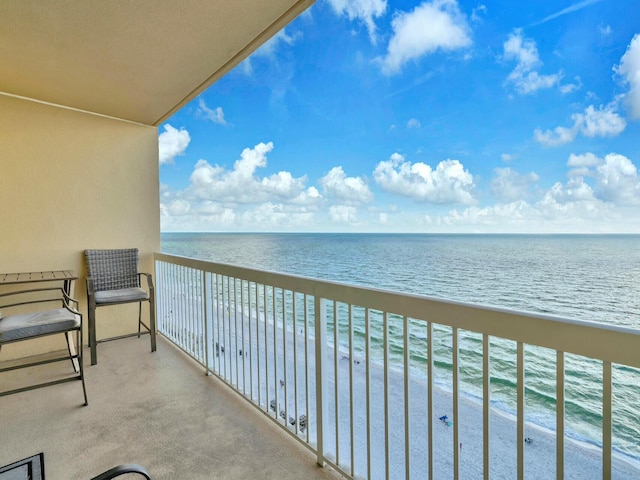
[[354, 373]]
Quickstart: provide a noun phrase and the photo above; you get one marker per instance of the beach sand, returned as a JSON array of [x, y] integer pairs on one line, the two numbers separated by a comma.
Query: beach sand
[[582, 461]]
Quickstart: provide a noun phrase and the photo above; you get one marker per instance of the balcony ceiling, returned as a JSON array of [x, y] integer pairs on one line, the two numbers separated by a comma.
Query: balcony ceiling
[[138, 61]]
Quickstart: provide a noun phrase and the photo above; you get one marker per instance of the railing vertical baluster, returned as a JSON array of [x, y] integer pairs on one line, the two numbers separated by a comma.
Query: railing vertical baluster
[[173, 303], [250, 322], [275, 350], [486, 404], [258, 373], [559, 415], [225, 316], [235, 331], [284, 356], [430, 396], [456, 406], [385, 343], [181, 307], [184, 309], [266, 349], [243, 348], [205, 320], [336, 328], [321, 381], [306, 365], [367, 350], [407, 353], [177, 305], [520, 395], [191, 316], [606, 419], [295, 360], [171, 306], [197, 302], [219, 321], [351, 362]]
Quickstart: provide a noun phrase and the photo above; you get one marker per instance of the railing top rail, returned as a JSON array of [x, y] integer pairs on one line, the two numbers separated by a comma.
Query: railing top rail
[[591, 339]]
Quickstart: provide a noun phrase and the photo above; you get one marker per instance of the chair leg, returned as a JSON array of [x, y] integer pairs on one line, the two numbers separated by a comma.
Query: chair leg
[[81, 362], [72, 351], [139, 318], [152, 321], [93, 344]]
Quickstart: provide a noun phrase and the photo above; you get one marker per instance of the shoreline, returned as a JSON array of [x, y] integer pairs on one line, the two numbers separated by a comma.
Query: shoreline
[[582, 459]]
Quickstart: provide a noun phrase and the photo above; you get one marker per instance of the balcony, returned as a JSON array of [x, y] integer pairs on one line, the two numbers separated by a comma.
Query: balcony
[[373, 374], [360, 392], [158, 410]]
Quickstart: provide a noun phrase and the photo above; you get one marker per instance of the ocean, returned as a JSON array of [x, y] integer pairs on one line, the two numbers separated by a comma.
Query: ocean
[[584, 277]]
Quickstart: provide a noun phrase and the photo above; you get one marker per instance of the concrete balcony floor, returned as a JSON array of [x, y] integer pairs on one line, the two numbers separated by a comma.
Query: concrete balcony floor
[[155, 409]]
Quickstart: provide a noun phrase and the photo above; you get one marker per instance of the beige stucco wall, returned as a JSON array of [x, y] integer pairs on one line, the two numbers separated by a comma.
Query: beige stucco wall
[[71, 181]]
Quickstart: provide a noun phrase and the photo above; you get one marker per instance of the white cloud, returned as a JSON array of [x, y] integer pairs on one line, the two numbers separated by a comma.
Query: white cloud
[[575, 190], [176, 207], [238, 199], [431, 26], [273, 216], [559, 136], [414, 123], [363, 10], [448, 183], [629, 70], [617, 180], [343, 214], [475, 13], [607, 204], [352, 190], [571, 87], [615, 177], [269, 49], [581, 164], [507, 157], [242, 185], [172, 143], [603, 122], [525, 76], [508, 185], [573, 207], [216, 115]]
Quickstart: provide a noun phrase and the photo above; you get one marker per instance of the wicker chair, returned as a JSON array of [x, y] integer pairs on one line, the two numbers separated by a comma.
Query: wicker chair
[[113, 279]]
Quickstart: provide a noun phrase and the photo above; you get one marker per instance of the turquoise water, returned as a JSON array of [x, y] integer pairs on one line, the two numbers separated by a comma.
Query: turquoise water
[[594, 278]]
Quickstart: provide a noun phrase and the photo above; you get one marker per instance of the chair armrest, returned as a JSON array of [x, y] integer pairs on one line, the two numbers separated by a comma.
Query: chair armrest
[[149, 279], [70, 303], [121, 470]]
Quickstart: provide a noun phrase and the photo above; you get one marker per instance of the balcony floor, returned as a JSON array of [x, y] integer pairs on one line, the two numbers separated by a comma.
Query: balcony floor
[[158, 410]]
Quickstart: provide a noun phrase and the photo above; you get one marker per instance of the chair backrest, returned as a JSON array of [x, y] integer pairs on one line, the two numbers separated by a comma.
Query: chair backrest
[[113, 269]]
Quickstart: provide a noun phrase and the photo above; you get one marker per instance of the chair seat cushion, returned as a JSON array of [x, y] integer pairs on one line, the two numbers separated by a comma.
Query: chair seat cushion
[[27, 325], [120, 296]]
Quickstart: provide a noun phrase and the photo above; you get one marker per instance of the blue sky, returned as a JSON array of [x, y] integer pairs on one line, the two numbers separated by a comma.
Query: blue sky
[[419, 116]]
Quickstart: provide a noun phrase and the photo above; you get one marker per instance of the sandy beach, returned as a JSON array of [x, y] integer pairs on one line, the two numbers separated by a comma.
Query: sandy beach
[[582, 461]]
